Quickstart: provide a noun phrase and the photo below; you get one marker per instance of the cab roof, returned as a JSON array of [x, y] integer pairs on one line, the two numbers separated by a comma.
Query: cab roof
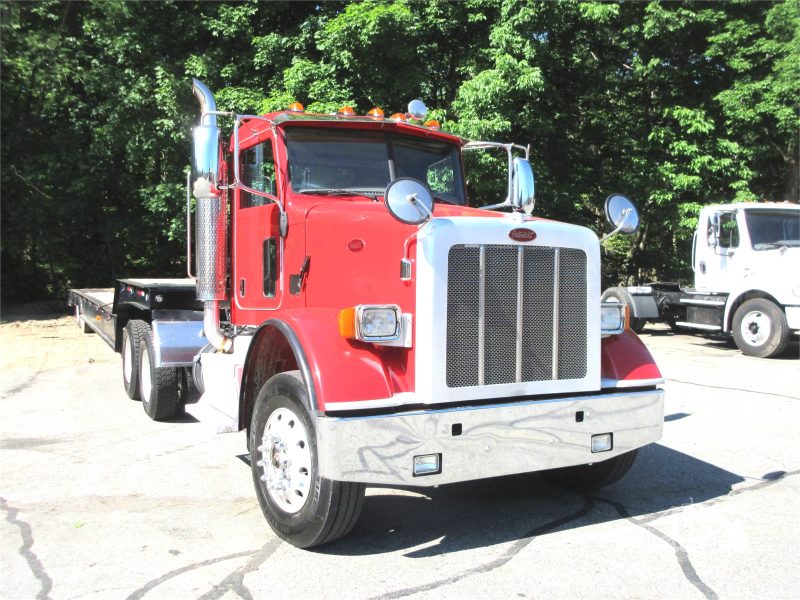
[[256, 126]]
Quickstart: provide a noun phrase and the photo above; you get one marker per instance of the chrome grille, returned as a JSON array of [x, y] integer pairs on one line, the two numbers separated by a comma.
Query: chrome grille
[[515, 314]]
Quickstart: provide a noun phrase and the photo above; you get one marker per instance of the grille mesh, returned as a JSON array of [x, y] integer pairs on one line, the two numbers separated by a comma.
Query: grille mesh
[[498, 305]]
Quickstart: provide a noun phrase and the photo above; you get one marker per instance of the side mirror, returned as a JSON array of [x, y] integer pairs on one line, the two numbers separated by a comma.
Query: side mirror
[[621, 214], [522, 186], [205, 160], [714, 230], [409, 200]]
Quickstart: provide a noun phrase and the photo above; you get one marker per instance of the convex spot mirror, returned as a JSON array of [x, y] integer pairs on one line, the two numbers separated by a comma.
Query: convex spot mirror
[[417, 109], [621, 214], [409, 200], [522, 185]]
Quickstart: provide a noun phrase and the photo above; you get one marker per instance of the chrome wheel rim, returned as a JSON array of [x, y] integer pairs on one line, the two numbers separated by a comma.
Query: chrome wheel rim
[[127, 359], [144, 379], [285, 460], [756, 328]]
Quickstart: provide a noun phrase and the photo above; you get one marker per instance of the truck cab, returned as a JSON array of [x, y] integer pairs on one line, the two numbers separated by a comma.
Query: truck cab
[[366, 326], [746, 264]]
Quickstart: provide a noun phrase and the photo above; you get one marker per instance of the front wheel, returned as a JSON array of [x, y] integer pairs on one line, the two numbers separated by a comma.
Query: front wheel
[[301, 507], [760, 328], [593, 476]]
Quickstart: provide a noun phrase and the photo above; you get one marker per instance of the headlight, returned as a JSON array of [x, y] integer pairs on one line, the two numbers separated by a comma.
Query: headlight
[[370, 323], [613, 318]]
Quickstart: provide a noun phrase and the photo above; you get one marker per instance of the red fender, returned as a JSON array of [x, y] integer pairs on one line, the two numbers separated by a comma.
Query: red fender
[[345, 370], [625, 358]]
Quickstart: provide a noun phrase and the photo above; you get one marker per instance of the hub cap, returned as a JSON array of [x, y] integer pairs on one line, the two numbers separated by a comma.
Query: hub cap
[[285, 460], [756, 328]]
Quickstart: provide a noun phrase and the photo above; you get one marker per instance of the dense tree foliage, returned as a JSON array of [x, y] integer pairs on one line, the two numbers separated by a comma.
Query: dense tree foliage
[[676, 104]]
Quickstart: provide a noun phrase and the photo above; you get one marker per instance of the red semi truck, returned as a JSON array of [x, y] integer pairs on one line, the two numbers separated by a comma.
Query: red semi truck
[[365, 325]]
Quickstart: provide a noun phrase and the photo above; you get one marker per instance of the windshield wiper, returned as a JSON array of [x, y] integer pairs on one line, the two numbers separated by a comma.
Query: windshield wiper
[[339, 192]]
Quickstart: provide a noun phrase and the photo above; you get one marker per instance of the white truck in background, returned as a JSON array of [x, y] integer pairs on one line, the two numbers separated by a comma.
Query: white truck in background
[[746, 263]]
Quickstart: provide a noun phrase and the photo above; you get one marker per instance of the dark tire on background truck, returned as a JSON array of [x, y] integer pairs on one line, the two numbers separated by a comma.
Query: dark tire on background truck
[[622, 296], [301, 507], [132, 338], [593, 476], [760, 328], [161, 387]]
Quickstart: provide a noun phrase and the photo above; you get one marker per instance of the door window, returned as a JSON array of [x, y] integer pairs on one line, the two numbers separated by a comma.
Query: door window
[[257, 168]]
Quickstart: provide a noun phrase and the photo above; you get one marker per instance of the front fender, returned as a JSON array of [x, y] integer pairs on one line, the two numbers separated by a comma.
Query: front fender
[[340, 370], [626, 362]]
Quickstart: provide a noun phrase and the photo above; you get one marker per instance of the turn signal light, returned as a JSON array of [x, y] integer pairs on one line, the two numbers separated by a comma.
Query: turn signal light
[[433, 124], [399, 118], [296, 107], [375, 113], [346, 111], [347, 323]]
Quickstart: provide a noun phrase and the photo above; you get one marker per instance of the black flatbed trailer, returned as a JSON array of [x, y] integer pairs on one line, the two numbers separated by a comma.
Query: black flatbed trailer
[[106, 311]]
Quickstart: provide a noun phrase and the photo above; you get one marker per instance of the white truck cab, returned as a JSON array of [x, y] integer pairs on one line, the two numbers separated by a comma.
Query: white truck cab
[[746, 263]]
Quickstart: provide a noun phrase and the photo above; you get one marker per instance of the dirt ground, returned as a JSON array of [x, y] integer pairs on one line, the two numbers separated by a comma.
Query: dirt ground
[[63, 341]]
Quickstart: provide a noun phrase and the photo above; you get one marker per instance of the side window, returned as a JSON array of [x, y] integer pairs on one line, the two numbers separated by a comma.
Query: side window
[[728, 231], [257, 172]]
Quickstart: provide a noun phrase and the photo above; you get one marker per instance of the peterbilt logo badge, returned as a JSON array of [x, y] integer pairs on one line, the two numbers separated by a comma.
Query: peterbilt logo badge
[[522, 235], [355, 245]]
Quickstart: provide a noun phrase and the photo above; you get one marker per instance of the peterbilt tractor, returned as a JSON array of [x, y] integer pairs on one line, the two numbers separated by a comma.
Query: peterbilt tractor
[[366, 326], [746, 263]]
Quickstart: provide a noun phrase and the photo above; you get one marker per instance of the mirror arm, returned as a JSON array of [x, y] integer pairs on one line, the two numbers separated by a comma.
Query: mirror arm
[[626, 213]]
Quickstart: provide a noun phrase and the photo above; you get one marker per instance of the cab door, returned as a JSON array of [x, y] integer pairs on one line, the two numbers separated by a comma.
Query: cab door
[[257, 242], [716, 253]]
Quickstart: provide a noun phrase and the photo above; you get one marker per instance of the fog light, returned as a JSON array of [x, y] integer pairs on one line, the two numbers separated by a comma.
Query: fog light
[[427, 464], [602, 442]]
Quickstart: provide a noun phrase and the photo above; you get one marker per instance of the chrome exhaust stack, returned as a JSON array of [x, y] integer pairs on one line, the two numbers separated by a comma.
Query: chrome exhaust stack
[[211, 235]]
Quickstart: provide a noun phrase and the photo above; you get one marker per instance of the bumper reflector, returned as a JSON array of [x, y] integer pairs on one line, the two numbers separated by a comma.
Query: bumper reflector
[[602, 442], [427, 464]]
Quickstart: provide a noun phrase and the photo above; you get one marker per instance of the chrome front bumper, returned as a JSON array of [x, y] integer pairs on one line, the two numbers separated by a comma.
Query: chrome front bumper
[[477, 442]]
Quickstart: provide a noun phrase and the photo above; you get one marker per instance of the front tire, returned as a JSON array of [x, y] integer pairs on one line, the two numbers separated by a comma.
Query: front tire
[[301, 507], [593, 476], [760, 328], [161, 387]]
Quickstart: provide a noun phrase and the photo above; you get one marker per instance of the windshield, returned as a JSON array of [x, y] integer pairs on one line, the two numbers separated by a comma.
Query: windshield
[[773, 228], [338, 161]]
